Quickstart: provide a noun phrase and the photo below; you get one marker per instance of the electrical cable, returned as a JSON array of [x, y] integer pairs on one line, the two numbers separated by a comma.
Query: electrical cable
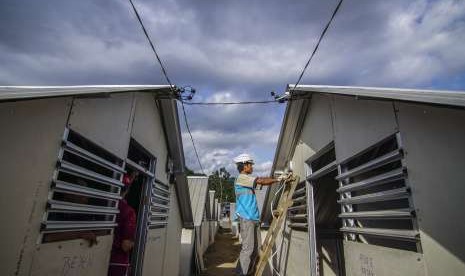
[[274, 253], [292, 98], [318, 43], [190, 134], [281, 186], [152, 45], [231, 103], [163, 69], [225, 103]]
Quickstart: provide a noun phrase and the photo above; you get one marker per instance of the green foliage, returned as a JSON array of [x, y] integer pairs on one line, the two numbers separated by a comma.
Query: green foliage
[[190, 172], [222, 182]]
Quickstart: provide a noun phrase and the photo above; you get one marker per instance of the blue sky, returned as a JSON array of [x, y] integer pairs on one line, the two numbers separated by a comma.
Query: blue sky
[[234, 50]]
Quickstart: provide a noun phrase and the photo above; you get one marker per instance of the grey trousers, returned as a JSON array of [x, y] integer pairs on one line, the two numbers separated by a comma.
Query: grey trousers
[[251, 241]]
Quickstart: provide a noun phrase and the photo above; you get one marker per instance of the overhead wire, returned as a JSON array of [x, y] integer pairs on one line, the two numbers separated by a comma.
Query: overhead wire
[[292, 98], [315, 49], [163, 69], [295, 85], [230, 103], [172, 87], [192, 139]]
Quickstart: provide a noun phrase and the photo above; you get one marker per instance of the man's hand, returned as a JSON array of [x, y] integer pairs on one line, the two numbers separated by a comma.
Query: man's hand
[[265, 181], [127, 245], [284, 176]]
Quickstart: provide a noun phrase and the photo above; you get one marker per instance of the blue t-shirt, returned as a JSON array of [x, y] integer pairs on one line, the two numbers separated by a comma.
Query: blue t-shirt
[[246, 201]]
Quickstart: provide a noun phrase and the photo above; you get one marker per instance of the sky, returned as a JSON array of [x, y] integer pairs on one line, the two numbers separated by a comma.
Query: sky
[[233, 51]]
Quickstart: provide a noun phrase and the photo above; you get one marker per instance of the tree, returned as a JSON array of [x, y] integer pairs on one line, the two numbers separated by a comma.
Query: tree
[[223, 184], [190, 172]]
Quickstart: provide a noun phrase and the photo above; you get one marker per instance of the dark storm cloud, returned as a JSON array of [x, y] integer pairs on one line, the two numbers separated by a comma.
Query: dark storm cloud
[[233, 50]]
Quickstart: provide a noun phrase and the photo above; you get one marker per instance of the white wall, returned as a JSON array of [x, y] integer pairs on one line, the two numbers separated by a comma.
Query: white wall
[[29, 144], [434, 140]]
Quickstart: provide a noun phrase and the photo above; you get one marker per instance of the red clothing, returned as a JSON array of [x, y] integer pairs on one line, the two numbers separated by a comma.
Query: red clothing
[[126, 230]]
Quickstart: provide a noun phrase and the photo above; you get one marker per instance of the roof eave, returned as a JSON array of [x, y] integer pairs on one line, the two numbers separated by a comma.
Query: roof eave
[[169, 111], [16, 93], [433, 97]]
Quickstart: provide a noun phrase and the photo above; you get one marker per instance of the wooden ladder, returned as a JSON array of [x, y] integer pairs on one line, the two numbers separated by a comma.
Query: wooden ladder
[[279, 215]]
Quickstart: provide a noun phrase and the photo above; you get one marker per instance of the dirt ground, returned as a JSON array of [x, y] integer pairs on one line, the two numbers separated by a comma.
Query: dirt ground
[[221, 257]]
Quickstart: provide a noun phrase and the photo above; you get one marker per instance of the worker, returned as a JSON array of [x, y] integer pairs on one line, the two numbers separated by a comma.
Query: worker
[[247, 212], [123, 241]]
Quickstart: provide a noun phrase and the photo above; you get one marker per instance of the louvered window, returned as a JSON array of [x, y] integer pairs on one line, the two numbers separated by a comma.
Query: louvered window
[[375, 197], [298, 211], [85, 190], [159, 204]]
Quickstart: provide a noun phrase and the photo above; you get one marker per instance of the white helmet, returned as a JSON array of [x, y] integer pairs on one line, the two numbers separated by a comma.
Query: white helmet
[[243, 158]]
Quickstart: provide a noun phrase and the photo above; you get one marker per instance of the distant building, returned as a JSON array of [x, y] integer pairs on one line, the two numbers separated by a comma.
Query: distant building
[[196, 241], [382, 182]]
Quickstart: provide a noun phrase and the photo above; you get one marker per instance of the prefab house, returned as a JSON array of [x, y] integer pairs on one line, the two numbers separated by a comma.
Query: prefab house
[[382, 189], [197, 240], [212, 213], [65, 151]]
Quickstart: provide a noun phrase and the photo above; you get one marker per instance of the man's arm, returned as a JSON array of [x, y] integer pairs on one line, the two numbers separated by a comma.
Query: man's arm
[[266, 181]]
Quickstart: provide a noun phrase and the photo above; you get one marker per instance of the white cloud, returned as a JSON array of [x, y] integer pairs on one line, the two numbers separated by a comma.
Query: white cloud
[[263, 169]]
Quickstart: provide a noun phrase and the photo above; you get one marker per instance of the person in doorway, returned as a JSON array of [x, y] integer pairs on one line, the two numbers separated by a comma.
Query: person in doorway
[[247, 212], [123, 241]]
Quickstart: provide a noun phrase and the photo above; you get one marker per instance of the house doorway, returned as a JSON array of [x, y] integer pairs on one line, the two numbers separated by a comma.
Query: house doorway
[[140, 173]]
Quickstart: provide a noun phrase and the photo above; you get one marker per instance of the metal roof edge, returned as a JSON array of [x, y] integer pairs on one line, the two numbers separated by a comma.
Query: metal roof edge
[[437, 97], [8, 93]]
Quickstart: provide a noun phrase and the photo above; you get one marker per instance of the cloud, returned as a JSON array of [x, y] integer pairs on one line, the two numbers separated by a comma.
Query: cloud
[[263, 169], [233, 51]]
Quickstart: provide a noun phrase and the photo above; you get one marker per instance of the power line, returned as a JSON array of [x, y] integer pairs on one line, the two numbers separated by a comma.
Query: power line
[[230, 103], [292, 98], [190, 134], [318, 43], [151, 45], [163, 69]]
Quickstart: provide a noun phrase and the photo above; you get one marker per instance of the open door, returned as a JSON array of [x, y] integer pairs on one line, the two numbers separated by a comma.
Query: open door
[[325, 237], [140, 169]]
